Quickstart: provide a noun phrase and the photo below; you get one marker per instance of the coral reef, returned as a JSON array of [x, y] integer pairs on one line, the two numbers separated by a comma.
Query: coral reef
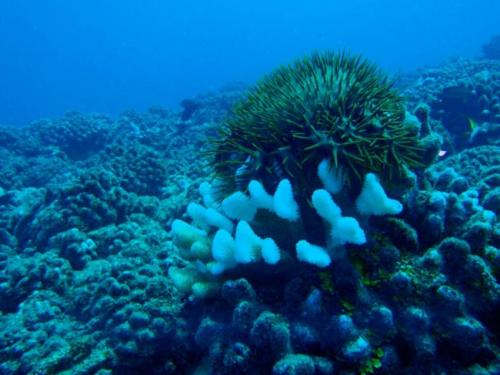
[[75, 134], [464, 101], [491, 50], [95, 276], [84, 246]]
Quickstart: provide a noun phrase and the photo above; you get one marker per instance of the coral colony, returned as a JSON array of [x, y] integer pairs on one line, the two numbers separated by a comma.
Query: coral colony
[[325, 221]]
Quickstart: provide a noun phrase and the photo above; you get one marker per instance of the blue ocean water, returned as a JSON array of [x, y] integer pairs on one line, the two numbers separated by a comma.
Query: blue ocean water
[[249, 188], [114, 55]]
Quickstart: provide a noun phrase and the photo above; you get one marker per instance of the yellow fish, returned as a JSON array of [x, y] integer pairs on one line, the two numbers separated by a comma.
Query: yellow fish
[[472, 124]]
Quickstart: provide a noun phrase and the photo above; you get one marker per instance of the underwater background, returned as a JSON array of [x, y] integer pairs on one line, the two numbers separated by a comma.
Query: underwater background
[[249, 188], [96, 56]]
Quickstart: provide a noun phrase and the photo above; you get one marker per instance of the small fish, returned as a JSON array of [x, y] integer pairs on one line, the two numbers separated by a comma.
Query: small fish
[[442, 153], [472, 124]]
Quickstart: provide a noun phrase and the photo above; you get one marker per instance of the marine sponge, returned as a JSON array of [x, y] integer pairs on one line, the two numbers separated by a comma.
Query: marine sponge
[[328, 105]]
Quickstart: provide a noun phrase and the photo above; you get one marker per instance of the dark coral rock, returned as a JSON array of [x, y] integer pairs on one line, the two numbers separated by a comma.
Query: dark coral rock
[[492, 200], [213, 107], [431, 260], [76, 134], [208, 333], [7, 239], [74, 246], [468, 337], [244, 315], [478, 276], [415, 320], [400, 233], [337, 332], [459, 185], [474, 164], [9, 138], [295, 291], [324, 366], [356, 351], [478, 231], [491, 50], [139, 169], [389, 256], [455, 252], [313, 304], [401, 283], [450, 300], [382, 322], [305, 338], [91, 202], [237, 359], [492, 254], [427, 213], [425, 347], [24, 274], [294, 364], [234, 291], [270, 336], [390, 359], [189, 106]]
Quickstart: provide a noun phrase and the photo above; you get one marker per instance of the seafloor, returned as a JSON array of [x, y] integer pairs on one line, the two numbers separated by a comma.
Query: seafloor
[[93, 281]]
